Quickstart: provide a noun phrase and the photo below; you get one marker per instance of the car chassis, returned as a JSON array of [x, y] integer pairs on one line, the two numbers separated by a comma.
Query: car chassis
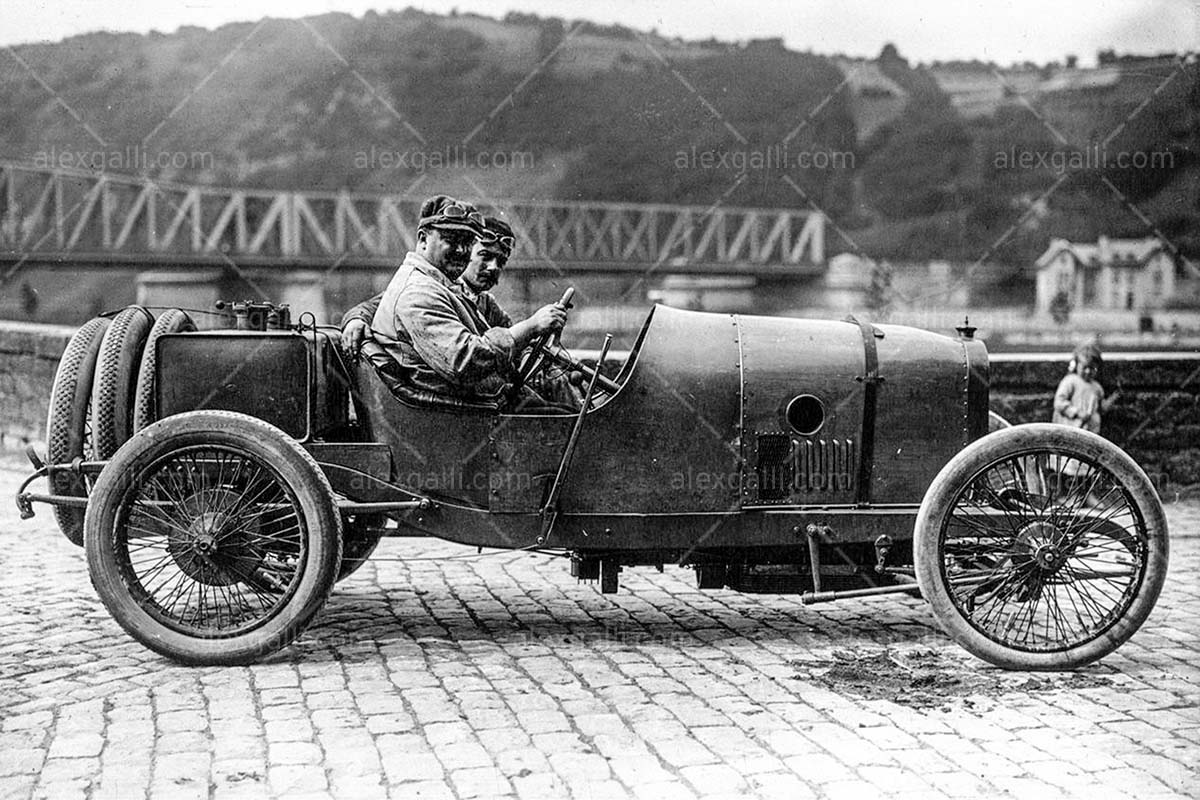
[[256, 466]]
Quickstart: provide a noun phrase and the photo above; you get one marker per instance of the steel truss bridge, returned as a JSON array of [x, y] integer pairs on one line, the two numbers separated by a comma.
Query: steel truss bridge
[[62, 217]]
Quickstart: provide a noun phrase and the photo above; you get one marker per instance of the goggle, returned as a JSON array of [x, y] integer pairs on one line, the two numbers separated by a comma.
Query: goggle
[[503, 241], [454, 211]]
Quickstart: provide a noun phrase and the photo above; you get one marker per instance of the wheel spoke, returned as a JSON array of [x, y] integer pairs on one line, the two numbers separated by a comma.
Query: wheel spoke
[[212, 542], [1042, 571]]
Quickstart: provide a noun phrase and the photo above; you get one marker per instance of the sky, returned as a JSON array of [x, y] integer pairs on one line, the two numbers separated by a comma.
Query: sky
[[1004, 31]]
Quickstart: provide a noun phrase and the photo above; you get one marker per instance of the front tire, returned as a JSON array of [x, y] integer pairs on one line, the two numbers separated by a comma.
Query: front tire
[[212, 538], [1029, 567]]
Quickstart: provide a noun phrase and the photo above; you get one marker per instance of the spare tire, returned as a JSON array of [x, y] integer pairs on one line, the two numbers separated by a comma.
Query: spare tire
[[170, 321], [68, 426], [116, 379]]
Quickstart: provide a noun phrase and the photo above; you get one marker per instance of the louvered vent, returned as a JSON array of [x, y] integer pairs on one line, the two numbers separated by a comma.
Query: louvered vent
[[775, 467], [825, 465]]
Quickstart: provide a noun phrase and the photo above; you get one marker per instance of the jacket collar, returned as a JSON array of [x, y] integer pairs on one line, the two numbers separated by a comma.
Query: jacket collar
[[419, 263]]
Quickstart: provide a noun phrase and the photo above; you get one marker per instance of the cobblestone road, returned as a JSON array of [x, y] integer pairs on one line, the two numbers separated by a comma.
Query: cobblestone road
[[459, 678]]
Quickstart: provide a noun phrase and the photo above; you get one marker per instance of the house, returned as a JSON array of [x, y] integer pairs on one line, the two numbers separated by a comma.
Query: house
[[1117, 274], [875, 99]]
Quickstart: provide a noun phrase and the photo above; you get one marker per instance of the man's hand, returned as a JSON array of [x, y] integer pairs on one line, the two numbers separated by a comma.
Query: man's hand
[[549, 318], [354, 334]]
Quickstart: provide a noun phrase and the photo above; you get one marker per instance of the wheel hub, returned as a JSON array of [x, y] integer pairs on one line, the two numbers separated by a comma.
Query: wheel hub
[[205, 531], [214, 547], [1047, 556], [1043, 543]]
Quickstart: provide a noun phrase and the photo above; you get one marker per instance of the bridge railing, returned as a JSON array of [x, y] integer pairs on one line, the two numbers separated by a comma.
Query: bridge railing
[[44, 212]]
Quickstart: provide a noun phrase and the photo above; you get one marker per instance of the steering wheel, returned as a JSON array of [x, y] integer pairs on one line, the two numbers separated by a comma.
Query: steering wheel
[[545, 345], [547, 348]]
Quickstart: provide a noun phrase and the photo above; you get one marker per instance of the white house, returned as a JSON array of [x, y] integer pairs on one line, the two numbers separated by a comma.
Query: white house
[[1119, 274]]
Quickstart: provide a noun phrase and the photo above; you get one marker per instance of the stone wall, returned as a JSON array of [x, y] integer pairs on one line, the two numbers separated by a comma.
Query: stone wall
[[29, 355], [1156, 418]]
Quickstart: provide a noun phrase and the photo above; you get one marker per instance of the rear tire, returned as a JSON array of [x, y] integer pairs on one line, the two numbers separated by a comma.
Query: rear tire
[[359, 542], [116, 379], [68, 426], [212, 538], [1041, 572], [170, 321]]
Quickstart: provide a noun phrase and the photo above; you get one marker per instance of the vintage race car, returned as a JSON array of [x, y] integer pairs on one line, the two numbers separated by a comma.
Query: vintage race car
[[223, 480]]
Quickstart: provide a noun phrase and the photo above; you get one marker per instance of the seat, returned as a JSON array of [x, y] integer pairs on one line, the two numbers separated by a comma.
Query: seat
[[394, 378]]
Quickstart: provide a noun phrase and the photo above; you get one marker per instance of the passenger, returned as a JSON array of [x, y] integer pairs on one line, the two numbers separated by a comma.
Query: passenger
[[439, 339], [488, 260], [489, 256]]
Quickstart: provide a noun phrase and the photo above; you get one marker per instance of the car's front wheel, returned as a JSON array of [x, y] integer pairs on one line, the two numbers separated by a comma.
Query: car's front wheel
[[212, 538], [1041, 547]]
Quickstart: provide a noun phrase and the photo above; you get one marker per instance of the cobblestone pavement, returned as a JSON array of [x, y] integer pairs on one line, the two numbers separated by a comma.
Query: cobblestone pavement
[[459, 678]]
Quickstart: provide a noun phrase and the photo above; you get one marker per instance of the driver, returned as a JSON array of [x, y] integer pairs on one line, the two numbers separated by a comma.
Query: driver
[[489, 257], [439, 339]]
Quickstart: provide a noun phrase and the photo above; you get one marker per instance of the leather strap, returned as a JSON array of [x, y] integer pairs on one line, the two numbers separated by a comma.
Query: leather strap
[[870, 381]]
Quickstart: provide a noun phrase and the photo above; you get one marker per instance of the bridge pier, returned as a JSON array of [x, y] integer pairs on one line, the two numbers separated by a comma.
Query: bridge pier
[[300, 289], [193, 288]]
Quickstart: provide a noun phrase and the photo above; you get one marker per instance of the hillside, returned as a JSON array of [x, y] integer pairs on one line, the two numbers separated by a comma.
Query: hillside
[[532, 107]]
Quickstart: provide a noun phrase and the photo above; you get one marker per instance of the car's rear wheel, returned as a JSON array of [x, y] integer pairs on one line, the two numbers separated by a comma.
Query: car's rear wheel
[[212, 538], [362, 535], [68, 426], [1051, 570], [170, 321], [116, 379]]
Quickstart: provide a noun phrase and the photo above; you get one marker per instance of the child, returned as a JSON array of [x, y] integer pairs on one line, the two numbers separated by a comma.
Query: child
[[1080, 396], [1078, 403]]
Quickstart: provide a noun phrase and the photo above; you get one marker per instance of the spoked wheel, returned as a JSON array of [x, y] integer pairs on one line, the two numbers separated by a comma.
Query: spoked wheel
[[69, 424], [212, 538], [1041, 547]]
